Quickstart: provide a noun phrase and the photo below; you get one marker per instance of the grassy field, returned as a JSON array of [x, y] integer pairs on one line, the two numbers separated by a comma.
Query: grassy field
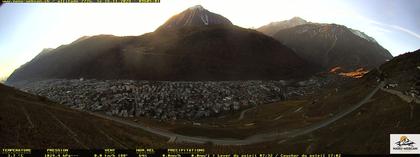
[[365, 131]]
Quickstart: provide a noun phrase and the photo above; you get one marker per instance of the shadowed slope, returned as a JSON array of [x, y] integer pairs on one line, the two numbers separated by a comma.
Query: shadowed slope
[[33, 122]]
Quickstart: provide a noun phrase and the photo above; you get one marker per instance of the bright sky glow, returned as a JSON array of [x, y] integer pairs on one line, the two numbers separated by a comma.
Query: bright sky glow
[[26, 29]]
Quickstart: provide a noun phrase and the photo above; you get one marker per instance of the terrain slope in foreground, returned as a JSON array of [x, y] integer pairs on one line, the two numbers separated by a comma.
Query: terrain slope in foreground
[[365, 130], [33, 122]]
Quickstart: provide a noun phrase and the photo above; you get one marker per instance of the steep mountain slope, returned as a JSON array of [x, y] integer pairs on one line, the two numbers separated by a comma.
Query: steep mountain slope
[[274, 27], [217, 51], [31, 121], [404, 70], [331, 45], [195, 16], [328, 45], [403, 65]]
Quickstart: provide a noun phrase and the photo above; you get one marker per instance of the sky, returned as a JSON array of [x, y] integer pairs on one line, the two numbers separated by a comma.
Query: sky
[[27, 28]]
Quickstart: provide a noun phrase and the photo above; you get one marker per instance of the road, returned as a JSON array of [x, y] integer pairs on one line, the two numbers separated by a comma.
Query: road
[[251, 139], [243, 113], [401, 95]]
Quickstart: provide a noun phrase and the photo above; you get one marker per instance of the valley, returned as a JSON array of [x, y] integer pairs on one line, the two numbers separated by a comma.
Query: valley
[[169, 100]]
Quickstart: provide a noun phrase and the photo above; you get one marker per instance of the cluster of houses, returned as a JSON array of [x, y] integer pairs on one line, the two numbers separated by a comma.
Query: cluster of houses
[[165, 100]]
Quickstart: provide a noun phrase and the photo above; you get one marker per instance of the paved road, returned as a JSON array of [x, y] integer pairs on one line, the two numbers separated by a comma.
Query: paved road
[[401, 95], [251, 139], [243, 113]]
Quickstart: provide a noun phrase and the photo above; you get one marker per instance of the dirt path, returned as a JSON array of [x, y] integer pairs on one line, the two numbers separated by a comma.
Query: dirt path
[[288, 112], [31, 125], [112, 139], [72, 133]]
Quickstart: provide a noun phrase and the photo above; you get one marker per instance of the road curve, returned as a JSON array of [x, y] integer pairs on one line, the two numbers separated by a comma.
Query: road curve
[[401, 95], [243, 113]]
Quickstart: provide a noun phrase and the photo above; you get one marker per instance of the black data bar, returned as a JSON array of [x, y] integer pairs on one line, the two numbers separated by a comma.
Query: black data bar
[[156, 153]]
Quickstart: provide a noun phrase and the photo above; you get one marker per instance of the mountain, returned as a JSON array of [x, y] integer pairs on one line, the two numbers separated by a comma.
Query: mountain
[[181, 51], [32, 121], [274, 27], [403, 65], [404, 70], [195, 16], [329, 45]]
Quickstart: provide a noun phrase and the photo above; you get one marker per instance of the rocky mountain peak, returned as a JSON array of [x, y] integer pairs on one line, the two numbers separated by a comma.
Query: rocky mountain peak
[[273, 27], [197, 7], [195, 16], [297, 19]]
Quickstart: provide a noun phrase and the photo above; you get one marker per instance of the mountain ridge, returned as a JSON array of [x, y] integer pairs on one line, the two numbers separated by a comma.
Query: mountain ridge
[[329, 45], [194, 16], [273, 27], [191, 52]]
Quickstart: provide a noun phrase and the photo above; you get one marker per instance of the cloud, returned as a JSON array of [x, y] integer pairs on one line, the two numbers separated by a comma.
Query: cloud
[[396, 27], [406, 31], [381, 29]]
